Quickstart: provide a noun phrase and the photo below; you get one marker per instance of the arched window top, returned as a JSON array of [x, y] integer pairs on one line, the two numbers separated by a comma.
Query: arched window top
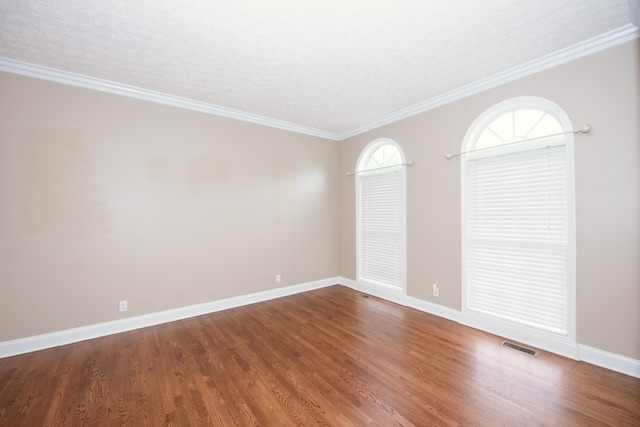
[[517, 125], [514, 120], [381, 153]]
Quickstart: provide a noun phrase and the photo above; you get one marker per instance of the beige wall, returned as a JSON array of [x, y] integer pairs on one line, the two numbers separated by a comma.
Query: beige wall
[[105, 198], [602, 90]]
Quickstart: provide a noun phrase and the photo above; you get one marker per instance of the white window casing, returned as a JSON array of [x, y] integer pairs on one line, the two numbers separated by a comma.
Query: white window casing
[[518, 223], [381, 216]]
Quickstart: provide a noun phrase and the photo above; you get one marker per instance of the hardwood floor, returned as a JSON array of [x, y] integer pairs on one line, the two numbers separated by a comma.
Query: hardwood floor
[[329, 357]]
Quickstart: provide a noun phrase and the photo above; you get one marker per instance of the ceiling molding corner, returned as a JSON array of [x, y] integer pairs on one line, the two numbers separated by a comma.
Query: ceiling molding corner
[[605, 41], [87, 82]]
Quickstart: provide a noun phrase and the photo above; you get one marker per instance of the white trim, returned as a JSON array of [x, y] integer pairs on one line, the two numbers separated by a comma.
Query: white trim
[[402, 299], [545, 341], [565, 346], [435, 309], [535, 339], [605, 41], [349, 283], [612, 361], [398, 297], [596, 44], [365, 154], [87, 82], [587, 354], [371, 148], [521, 102], [69, 336], [593, 356]]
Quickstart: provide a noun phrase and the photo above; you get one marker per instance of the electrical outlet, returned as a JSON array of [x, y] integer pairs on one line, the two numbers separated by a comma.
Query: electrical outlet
[[436, 290], [278, 278], [123, 306]]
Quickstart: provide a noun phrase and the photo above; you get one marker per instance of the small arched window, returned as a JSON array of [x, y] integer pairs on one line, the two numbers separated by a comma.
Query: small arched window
[[380, 194], [382, 154], [518, 218]]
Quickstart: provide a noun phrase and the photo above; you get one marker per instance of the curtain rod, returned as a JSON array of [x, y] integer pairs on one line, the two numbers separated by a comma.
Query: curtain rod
[[583, 129], [383, 167]]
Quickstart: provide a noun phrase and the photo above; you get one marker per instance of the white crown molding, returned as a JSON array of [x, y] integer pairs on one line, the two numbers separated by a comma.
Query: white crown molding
[[87, 82], [69, 336], [605, 41]]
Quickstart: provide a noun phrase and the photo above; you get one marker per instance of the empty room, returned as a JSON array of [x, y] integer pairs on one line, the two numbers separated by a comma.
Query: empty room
[[336, 213]]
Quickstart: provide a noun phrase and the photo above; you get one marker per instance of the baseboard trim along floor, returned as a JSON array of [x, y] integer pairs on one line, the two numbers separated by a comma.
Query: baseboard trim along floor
[[587, 354]]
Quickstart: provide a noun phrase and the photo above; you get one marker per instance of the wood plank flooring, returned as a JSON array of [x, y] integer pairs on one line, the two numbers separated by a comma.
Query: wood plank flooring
[[328, 357]]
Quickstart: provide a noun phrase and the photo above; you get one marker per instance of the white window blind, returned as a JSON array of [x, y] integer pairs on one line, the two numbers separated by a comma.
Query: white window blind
[[517, 237], [381, 228]]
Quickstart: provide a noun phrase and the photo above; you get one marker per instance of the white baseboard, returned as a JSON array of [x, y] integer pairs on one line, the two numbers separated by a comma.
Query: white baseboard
[[435, 309], [529, 336], [69, 336], [418, 304], [587, 354], [376, 291], [612, 361]]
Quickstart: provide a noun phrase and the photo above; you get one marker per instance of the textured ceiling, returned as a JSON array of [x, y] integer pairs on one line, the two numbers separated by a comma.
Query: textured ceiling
[[331, 65]]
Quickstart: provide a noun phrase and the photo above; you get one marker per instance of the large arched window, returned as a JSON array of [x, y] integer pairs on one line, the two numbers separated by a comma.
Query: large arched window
[[518, 223], [380, 193]]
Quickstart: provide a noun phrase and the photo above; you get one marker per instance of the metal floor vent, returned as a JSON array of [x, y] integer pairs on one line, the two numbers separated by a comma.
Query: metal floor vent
[[520, 348], [363, 295]]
